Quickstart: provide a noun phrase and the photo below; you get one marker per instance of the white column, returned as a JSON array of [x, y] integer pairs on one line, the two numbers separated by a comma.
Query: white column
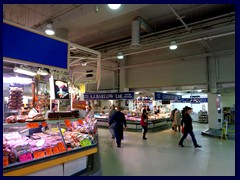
[[123, 76], [212, 112]]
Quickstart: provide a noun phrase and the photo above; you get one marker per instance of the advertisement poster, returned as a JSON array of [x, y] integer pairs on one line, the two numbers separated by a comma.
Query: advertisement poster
[[76, 104], [61, 89]]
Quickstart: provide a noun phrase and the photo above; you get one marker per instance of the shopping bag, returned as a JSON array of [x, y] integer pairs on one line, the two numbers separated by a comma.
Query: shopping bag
[[182, 129]]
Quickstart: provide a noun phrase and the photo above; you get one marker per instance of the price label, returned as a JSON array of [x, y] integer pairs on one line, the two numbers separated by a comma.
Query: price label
[[44, 124], [55, 150], [61, 147], [85, 142], [49, 151], [25, 157], [68, 123], [80, 121], [32, 125], [38, 154], [5, 161]]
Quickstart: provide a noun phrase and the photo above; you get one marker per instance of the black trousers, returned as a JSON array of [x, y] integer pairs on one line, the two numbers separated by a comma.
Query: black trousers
[[185, 135], [145, 129]]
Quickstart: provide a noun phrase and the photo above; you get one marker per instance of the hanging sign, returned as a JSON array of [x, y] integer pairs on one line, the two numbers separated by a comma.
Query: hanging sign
[[164, 96], [109, 96], [26, 45]]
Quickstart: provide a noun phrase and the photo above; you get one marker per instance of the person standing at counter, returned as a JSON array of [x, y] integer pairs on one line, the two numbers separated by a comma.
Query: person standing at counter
[[188, 128], [144, 123], [34, 111], [90, 113], [177, 121], [111, 127], [119, 119]]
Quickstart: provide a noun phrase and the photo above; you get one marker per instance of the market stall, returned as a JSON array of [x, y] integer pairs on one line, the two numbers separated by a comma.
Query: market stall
[[41, 135]]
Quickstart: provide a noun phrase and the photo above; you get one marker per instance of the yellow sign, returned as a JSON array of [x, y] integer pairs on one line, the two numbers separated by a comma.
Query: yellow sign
[[82, 88]]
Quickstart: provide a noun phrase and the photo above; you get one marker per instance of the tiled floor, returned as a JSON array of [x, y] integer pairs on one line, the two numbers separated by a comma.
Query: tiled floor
[[160, 155]]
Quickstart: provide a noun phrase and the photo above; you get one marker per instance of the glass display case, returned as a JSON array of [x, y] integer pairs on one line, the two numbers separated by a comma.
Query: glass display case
[[49, 145]]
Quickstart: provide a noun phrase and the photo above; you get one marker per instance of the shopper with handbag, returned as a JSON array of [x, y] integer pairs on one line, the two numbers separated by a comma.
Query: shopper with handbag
[[144, 123]]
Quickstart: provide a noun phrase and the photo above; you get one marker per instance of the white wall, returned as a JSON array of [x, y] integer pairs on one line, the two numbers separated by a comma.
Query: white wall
[[178, 73], [228, 98]]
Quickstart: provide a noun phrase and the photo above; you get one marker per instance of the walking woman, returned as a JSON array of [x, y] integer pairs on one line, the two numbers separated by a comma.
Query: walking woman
[[144, 123], [188, 128]]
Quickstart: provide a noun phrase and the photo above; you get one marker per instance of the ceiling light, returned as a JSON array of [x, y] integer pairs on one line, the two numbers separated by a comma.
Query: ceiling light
[[114, 6], [83, 63], [164, 91], [179, 94], [120, 55], [49, 29], [25, 71], [173, 45], [42, 72], [199, 90]]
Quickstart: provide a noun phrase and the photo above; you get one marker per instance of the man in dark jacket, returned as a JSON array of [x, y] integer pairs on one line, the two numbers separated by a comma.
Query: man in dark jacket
[[119, 119], [188, 128]]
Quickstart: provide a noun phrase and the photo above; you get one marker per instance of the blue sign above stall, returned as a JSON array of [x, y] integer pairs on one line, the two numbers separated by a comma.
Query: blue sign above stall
[[164, 96], [28, 46], [109, 96]]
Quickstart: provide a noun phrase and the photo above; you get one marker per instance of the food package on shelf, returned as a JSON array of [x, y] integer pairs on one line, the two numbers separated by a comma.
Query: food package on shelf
[[15, 98], [21, 119], [10, 154], [12, 136], [11, 119]]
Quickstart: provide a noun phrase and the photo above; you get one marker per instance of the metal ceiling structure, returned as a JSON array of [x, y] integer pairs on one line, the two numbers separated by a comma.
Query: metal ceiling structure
[[101, 29]]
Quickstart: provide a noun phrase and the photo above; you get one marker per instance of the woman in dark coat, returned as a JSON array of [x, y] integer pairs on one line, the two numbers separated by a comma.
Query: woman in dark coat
[[119, 119], [144, 123], [188, 128]]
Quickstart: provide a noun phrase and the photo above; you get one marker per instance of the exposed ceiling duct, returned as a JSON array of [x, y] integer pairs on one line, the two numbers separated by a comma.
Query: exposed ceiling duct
[[138, 23]]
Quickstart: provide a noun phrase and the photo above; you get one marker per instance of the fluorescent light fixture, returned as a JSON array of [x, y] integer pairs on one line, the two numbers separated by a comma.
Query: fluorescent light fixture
[[18, 80], [199, 90], [178, 93], [114, 6], [164, 91], [25, 71], [49, 29], [136, 92], [120, 55], [83, 63], [173, 45], [42, 72]]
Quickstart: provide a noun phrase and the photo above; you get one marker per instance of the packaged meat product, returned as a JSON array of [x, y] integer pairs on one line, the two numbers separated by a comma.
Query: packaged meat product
[[12, 136], [5, 161], [21, 119], [6, 152]]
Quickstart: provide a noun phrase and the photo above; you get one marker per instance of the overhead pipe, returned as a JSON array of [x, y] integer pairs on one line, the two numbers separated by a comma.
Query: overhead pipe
[[180, 19], [168, 30], [59, 15], [177, 59], [138, 23], [181, 43]]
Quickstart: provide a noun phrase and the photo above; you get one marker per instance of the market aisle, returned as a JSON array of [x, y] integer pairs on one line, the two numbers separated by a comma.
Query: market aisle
[[160, 155]]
